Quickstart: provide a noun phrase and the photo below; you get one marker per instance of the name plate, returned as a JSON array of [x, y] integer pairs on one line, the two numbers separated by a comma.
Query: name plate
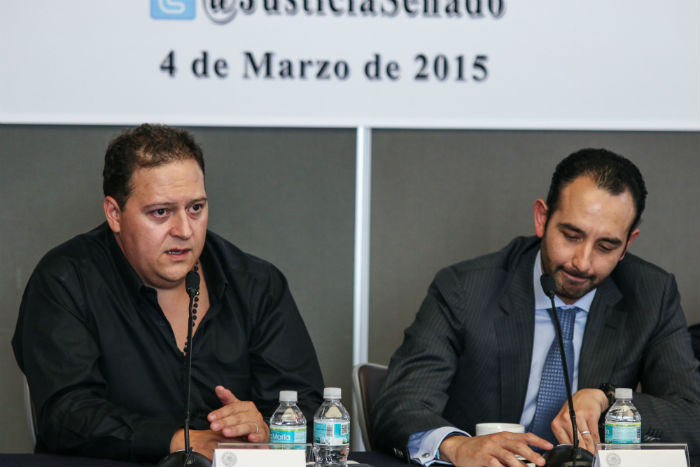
[[641, 455], [260, 455]]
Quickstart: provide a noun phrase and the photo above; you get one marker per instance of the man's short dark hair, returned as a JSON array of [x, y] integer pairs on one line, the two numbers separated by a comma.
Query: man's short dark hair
[[143, 147], [608, 170]]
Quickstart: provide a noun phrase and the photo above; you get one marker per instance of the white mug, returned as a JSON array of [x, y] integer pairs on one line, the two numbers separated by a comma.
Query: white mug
[[488, 428]]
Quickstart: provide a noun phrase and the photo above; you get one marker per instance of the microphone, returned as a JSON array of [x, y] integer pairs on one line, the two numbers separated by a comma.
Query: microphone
[[187, 457], [564, 454], [192, 284]]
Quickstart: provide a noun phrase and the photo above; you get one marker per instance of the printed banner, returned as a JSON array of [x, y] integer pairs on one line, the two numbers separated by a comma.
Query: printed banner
[[501, 64]]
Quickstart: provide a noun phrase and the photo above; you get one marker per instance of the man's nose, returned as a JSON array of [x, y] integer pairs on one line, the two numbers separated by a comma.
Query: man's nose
[[582, 258], [180, 226]]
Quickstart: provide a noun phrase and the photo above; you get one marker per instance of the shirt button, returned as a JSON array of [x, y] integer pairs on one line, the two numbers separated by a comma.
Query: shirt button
[[425, 455]]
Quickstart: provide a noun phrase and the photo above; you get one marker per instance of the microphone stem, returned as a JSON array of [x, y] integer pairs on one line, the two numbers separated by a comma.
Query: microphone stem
[[572, 414], [188, 371]]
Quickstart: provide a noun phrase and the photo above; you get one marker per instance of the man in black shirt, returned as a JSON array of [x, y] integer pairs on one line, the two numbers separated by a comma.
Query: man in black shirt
[[103, 320]]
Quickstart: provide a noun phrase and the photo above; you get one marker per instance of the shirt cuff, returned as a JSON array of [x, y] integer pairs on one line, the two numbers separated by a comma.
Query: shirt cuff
[[423, 446], [152, 439]]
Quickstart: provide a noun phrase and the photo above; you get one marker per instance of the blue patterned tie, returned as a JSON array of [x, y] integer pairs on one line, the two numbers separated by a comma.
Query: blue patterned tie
[[552, 393]]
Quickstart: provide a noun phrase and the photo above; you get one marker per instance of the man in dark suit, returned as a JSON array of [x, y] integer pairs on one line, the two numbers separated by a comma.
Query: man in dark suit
[[482, 345]]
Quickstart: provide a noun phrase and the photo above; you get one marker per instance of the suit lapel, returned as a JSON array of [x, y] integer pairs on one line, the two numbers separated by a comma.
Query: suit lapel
[[514, 331], [598, 350]]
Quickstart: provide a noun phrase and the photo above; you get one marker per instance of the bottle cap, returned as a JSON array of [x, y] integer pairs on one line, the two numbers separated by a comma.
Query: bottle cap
[[623, 393], [288, 396], [331, 393]]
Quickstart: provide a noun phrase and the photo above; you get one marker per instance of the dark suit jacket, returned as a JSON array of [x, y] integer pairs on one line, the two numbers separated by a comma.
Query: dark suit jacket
[[466, 357]]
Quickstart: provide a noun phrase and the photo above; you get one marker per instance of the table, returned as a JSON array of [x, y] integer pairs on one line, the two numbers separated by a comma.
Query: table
[[365, 459]]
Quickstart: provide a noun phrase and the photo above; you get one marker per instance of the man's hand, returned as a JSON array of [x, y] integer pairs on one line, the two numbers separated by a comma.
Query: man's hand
[[495, 450], [588, 405], [202, 441], [238, 419]]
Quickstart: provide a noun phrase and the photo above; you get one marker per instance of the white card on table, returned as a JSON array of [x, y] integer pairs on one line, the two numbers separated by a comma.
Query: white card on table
[[641, 455]]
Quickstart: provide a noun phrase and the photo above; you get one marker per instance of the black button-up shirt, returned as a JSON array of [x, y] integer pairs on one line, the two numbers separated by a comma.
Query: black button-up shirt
[[105, 372]]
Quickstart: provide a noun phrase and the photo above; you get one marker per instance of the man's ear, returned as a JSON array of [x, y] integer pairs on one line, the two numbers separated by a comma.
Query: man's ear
[[113, 214], [540, 212], [633, 236]]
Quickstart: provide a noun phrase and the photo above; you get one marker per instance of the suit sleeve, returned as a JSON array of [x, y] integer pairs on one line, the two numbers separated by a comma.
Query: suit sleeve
[[669, 401], [58, 351], [282, 355], [414, 394]]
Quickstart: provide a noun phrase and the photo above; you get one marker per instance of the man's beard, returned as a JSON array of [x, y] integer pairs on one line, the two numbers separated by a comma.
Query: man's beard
[[564, 289]]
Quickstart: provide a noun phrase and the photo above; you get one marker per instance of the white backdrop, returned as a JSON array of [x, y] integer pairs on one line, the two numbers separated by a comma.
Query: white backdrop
[[553, 64]]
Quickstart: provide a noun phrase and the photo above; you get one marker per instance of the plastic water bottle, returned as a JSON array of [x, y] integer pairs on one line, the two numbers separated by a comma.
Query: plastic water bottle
[[287, 424], [331, 431], [623, 424]]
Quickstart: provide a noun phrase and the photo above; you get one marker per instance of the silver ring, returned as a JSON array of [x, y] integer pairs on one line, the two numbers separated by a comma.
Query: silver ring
[[586, 432], [257, 428]]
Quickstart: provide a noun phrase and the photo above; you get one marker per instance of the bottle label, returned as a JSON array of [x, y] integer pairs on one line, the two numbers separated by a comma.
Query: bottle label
[[288, 434], [623, 432], [332, 433]]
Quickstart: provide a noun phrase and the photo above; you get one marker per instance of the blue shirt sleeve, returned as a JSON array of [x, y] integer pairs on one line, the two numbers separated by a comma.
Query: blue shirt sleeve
[[423, 446]]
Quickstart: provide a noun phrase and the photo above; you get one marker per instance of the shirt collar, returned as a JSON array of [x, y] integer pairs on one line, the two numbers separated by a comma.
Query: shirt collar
[[214, 270], [542, 301], [124, 268]]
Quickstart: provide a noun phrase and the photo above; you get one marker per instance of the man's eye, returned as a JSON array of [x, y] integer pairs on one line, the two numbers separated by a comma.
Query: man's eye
[[160, 212]]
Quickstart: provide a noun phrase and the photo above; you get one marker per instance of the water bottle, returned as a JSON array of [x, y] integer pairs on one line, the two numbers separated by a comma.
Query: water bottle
[[287, 424], [331, 431], [623, 424]]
